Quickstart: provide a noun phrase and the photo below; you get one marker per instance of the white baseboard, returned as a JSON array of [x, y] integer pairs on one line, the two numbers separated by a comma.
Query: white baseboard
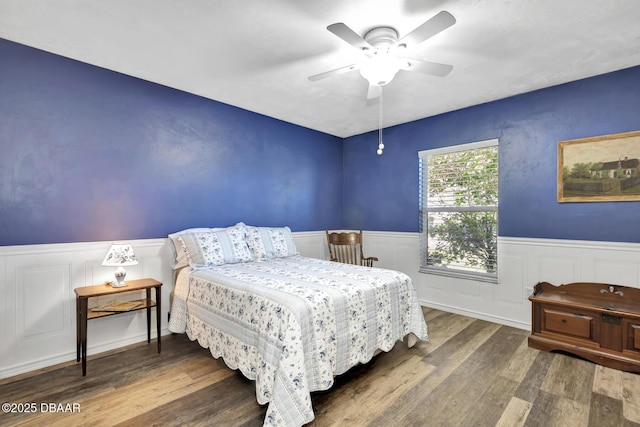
[[477, 315]]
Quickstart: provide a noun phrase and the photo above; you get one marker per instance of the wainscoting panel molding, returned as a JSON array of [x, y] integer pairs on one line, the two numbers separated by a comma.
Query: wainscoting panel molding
[[513, 269], [312, 244], [37, 301], [567, 268], [42, 302]]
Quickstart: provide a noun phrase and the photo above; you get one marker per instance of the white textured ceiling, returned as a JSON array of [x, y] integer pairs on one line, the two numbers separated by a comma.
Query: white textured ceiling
[[257, 54]]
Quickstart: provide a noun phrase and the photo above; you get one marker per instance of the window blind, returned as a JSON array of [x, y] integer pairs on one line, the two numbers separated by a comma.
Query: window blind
[[459, 210]]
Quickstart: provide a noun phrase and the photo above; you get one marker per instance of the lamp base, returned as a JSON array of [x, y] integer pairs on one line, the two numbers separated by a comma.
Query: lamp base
[[120, 275]]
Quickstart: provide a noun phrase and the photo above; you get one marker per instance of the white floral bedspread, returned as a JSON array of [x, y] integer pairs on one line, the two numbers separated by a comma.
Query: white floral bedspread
[[292, 324]]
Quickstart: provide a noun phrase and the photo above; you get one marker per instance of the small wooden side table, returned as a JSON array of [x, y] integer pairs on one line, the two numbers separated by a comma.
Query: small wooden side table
[[83, 314]]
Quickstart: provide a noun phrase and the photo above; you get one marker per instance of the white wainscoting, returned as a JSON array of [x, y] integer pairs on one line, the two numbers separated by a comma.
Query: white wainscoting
[[37, 301], [38, 317], [522, 264]]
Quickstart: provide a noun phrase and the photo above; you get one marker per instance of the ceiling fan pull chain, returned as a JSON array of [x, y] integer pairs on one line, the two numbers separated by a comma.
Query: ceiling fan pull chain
[[380, 143]]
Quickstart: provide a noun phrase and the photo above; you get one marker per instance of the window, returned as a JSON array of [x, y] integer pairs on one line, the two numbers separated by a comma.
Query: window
[[459, 210]]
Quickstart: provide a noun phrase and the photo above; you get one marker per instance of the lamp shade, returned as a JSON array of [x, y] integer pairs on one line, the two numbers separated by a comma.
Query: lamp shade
[[120, 255]]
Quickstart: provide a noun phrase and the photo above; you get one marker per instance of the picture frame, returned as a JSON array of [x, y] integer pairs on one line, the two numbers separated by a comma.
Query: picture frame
[[599, 169]]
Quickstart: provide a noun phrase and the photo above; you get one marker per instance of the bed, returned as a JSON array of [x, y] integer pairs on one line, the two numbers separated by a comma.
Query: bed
[[289, 322]]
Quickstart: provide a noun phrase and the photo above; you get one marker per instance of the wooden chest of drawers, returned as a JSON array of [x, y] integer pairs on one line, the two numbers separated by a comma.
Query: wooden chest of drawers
[[596, 321]]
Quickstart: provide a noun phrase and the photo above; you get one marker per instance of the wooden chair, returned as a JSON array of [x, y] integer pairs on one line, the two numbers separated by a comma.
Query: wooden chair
[[347, 248]]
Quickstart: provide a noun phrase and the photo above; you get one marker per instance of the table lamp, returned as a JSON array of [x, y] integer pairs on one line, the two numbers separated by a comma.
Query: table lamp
[[120, 255]]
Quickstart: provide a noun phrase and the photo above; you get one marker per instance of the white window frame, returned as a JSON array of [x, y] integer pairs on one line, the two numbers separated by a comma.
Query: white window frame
[[424, 214]]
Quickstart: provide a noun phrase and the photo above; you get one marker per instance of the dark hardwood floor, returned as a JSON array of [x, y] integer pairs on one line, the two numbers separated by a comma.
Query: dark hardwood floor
[[470, 373]]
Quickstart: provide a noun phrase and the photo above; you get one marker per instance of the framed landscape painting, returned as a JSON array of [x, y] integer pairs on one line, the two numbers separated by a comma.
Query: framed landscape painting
[[601, 168]]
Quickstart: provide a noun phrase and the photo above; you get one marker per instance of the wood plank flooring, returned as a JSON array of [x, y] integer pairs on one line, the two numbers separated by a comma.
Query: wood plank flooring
[[470, 373]]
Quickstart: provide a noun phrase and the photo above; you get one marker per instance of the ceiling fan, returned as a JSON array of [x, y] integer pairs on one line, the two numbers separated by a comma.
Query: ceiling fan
[[383, 52]]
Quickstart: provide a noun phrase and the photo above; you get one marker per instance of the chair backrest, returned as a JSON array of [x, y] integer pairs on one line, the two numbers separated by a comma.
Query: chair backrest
[[347, 248]]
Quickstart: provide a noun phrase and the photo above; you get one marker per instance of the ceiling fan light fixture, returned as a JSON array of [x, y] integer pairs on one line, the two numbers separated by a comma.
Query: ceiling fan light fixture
[[380, 68], [383, 52]]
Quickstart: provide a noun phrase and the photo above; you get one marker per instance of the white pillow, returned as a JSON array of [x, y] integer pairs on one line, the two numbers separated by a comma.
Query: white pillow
[[179, 251], [270, 242], [211, 248]]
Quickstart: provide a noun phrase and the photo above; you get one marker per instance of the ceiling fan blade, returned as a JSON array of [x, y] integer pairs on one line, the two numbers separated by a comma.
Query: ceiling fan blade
[[374, 91], [335, 72], [433, 26], [350, 36], [426, 67]]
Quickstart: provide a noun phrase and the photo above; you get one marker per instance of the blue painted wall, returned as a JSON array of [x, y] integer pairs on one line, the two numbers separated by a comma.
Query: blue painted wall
[[88, 155], [381, 192]]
